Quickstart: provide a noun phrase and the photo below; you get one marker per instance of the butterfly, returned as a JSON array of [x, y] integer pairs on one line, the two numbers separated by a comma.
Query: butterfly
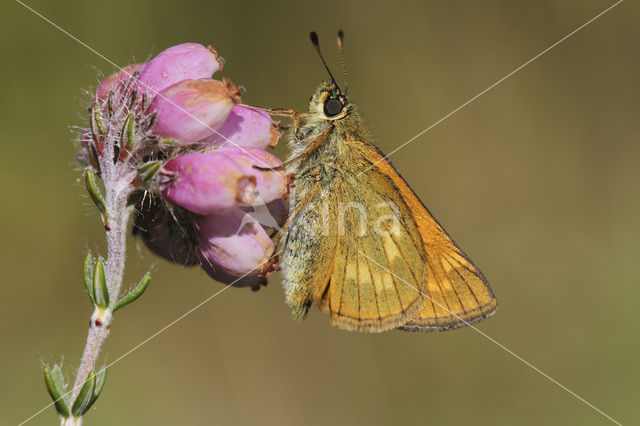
[[359, 243]]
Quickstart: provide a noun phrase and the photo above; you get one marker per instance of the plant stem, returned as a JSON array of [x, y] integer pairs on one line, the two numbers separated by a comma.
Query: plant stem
[[118, 218]]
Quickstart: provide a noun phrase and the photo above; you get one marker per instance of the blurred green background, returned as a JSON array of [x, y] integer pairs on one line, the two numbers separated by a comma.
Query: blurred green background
[[537, 180]]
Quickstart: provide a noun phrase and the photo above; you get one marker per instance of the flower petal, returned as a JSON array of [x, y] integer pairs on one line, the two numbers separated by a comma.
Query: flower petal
[[187, 61], [234, 243], [191, 110], [208, 183], [246, 127], [110, 83], [270, 184]]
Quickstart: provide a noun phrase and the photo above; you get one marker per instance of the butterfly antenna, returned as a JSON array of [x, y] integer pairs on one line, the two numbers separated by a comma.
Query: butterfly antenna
[[316, 45], [344, 68]]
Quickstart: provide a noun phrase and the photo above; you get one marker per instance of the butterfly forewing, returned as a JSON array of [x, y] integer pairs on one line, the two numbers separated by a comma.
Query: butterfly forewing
[[456, 291]]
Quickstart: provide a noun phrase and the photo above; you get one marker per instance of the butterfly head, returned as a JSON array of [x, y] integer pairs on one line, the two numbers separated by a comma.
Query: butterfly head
[[329, 102]]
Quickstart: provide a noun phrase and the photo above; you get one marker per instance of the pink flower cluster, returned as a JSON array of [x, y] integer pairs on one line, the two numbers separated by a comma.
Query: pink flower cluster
[[214, 170]]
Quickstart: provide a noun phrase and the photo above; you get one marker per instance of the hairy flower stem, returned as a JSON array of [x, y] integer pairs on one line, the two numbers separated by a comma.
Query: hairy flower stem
[[100, 322], [117, 178]]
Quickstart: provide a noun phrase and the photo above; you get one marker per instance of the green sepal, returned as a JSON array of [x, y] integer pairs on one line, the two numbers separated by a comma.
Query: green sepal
[[55, 386], [81, 404], [101, 377], [135, 293], [148, 170], [100, 290], [87, 275], [96, 196]]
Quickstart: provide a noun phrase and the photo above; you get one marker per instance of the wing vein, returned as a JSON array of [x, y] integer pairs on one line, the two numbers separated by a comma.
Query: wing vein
[[373, 286], [473, 293]]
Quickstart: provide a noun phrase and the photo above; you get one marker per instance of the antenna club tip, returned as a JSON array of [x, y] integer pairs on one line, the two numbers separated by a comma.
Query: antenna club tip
[[314, 38], [340, 34]]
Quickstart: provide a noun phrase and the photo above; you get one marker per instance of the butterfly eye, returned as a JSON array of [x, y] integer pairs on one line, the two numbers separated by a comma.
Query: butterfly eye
[[332, 107]]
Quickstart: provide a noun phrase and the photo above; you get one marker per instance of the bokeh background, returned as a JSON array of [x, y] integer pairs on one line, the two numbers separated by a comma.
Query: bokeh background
[[537, 180]]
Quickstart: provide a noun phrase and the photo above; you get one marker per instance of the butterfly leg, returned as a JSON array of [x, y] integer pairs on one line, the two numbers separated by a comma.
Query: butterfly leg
[[309, 149], [272, 263]]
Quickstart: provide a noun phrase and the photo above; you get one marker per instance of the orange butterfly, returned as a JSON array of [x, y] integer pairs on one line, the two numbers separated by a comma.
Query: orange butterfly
[[359, 243]]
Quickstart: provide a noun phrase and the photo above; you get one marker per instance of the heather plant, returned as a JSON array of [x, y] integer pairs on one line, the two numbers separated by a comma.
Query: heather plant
[[172, 153]]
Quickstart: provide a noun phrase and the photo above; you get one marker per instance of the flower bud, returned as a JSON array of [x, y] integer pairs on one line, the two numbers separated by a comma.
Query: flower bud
[[208, 183], [187, 61], [246, 127], [191, 110], [234, 243], [270, 184], [110, 83], [253, 281]]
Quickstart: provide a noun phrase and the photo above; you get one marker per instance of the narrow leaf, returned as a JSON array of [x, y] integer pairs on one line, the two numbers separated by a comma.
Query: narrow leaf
[[87, 275], [94, 193], [55, 386], [132, 101], [100, 290], [110, 103], [148, 170], [92, 152], [101, 377], [81, 404], [127, 134], [135, 293], [96, 120]]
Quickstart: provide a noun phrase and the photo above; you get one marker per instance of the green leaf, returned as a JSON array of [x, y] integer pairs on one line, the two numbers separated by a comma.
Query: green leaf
[[101, 377], [81, 404], [93, 155], [110, 103], [56, 388], [87, 275], [148, 170], [100, 289], [132, 100], [96, 120], [127, 133], [94, 193], [130, 128], [135, 293]]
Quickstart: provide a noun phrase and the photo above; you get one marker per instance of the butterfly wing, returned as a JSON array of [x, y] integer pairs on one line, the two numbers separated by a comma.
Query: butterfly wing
[[373, 260], [323, 261], [343, 253], [456, 292]]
